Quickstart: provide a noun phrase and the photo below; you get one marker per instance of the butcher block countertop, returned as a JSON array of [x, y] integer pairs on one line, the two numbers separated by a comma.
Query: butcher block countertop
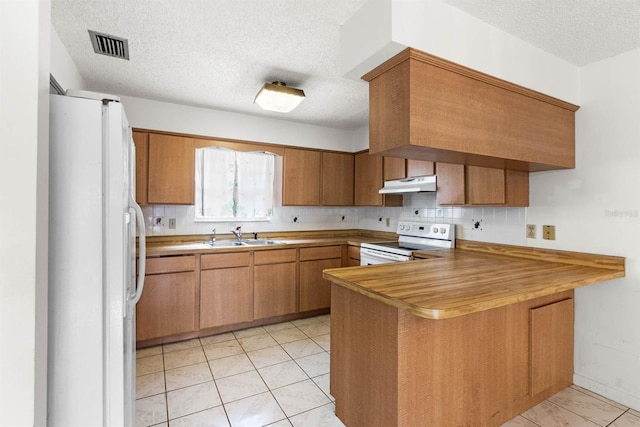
[[475, 277]]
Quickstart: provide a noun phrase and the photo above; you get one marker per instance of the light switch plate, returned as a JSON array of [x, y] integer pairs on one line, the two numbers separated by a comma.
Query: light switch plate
[[531, 231]]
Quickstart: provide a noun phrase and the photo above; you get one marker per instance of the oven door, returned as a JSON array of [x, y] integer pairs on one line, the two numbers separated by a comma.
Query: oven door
[[373, 257]]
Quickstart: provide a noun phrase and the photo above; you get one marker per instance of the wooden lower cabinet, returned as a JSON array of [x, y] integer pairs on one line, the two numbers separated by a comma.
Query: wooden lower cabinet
[[274, 283], [169, 300], [315, 292], [226, 290], [353, 256]]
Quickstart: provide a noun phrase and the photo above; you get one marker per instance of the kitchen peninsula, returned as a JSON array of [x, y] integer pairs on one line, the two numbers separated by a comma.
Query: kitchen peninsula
[[466, 337]]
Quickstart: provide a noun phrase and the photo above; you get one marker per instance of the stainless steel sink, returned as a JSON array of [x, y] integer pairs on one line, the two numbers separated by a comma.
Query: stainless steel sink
[[224, 244], [263, 242]]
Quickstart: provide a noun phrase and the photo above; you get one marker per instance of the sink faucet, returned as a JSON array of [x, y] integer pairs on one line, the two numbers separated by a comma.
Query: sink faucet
[[238, 233], [213, 236]]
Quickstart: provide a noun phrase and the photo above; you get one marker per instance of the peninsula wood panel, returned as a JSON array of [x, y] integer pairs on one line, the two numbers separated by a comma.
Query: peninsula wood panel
[[474, 373], [171, 170], [424, 107], [141, 142], [167, 306], [301, 177], [337, 179], [226, 296]]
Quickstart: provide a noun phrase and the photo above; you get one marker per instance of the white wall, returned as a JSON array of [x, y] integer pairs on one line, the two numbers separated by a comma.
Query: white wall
[[24, 135], [156, 115], [596, 208], [63, 69]]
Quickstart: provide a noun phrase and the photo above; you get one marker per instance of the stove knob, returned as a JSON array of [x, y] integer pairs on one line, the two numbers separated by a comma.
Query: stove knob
[[443, 230], [434, 230], [401, 226]]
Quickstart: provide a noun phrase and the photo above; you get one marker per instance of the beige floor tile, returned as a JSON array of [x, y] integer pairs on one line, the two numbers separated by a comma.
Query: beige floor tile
[[300, 397], [187, 376], [597, 396], [626, 420], [282, 374], [323, 341], [149, 351], [181, 345], [326, 319], [519, 422], [239, 386], [231, 365], [302, 348], [315, 329], [549, 414], [288, 335], [278, 327], [151, 410], [150, 384], [249, 332], [634, 412], [256, 342], [306, 321], [178, 358], [282, 423], [214, 417], [315, 364], [222, 349], [323, 381], [268, 356], [192, 399], [324, 416], [586, 406], [149, 365], [254, 411], [213, 339]]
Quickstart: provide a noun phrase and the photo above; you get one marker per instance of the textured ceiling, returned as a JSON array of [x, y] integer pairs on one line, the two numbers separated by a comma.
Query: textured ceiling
[[217, 54]]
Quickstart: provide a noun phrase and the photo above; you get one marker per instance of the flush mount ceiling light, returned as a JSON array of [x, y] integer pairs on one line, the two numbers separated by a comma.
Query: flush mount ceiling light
[[278, 97]]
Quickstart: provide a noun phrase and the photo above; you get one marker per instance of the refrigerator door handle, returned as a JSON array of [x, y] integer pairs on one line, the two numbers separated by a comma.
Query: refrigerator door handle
[[142, 250]]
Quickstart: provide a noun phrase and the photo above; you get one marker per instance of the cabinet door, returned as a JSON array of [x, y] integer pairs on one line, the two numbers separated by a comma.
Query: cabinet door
[[301, 177], [171, 170], [485, 186], [141, 141], [337, 179], [394, 168], [551, 346], [450, 184], [419, 168], [225, 296], [274, 290], [368, 171], [167, 306], [315, 292]]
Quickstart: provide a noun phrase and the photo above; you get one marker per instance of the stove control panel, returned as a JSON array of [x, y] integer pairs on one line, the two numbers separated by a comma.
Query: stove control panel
[[427, 230]]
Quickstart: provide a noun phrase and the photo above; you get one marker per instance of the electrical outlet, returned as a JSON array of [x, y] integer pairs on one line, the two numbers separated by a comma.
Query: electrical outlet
[[387, 222], [439, 213], [295, 219], [343, 218], [172, 223], [531, 231], [549, 232], [157, 221], [476, 224]]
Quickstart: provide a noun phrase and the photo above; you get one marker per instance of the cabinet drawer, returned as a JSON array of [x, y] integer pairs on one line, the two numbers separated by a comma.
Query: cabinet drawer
[[274, 256], [322, 252], [353, 252], [235, 259], [170, 264]]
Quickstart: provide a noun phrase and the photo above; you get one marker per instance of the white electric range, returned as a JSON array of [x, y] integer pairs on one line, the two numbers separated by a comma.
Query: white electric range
[[413, 236]]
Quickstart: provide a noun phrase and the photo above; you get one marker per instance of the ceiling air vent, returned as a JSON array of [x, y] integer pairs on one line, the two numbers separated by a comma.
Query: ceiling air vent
[[104, 44]]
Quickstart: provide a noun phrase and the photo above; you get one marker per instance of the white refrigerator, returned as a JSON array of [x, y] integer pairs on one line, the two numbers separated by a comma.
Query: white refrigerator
[[93, 221]]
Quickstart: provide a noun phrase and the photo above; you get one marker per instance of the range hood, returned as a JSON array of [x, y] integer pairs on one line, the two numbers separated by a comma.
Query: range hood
[[409, 185]]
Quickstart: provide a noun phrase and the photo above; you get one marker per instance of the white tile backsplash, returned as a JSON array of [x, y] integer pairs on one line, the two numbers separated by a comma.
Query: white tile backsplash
[[499, 225]]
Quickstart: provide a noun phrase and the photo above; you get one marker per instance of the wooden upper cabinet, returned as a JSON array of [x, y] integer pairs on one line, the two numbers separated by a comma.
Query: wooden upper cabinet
[[141, 142], [370, 176], [171, 163], [461, 185], [394, 168], [337, 179], [419, 168], [424, 107], [301, 177]]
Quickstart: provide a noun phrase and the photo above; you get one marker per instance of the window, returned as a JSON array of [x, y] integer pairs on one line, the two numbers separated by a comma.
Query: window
[[234, 184]]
